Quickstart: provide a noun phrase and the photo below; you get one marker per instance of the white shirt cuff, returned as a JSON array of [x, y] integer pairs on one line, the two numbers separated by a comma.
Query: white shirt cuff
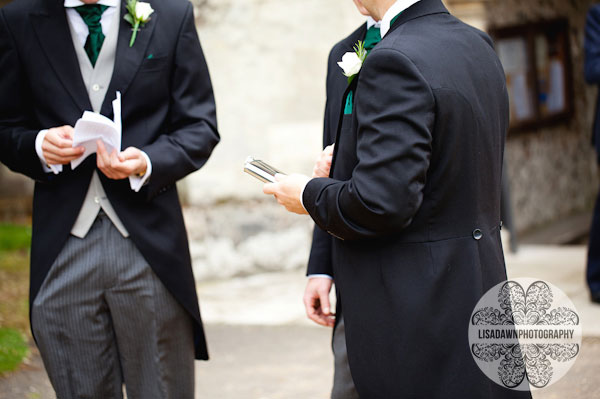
[[320, 276], [39, 140], [302, 195], [137, 182]]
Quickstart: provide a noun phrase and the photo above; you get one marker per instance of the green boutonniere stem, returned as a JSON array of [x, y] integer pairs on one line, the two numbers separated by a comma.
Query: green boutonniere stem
[[136, 28]]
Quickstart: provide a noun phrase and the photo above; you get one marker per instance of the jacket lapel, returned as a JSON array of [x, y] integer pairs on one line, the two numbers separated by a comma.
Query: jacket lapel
[[348, 45], [51, 27], [127, 59]]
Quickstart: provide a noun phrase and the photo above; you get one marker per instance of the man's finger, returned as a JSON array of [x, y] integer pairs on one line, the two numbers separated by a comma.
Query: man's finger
[[313, 311], [58, 141], [126, 168], [129, 153], [55, 155], [324, 299], [270, 188], [115, 163], [70, 152], [103, 153], [279, 177], [66, 132], [50, 148]]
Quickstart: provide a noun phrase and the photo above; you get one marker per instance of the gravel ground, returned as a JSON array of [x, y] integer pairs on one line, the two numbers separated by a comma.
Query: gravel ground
[[249, 362], [262, 347], [287, 362]]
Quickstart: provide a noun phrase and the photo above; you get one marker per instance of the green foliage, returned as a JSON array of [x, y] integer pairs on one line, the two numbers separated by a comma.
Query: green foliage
[[13, 349], [131, 9], [14, 238], [14, 283], [359, 49]]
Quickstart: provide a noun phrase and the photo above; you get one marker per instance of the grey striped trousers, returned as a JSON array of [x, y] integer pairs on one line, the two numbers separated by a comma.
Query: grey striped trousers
[[102, 319], [343, 385]]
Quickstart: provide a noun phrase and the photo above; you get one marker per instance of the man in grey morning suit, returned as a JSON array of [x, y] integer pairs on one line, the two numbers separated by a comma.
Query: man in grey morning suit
[[112, 291]]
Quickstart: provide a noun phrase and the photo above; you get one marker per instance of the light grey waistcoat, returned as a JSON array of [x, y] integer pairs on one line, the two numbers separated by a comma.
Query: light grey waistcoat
[[97, 80]]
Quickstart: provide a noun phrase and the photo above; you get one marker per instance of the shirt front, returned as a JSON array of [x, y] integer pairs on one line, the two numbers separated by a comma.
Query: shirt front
[[82, 32]]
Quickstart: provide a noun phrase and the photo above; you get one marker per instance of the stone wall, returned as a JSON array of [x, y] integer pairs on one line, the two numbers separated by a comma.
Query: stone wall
[[268, 61], [552, 171]]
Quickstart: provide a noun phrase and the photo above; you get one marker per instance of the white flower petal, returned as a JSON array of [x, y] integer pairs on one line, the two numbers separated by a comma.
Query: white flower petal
[[350, 64], [143, 11]]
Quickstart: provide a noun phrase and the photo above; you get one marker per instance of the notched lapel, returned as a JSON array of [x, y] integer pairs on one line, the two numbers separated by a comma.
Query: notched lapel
[[52, 30], [128, 59], [351, 87]]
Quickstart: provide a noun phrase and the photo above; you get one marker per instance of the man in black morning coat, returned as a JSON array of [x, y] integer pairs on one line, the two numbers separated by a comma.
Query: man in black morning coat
[[114, 299], [413, 202]]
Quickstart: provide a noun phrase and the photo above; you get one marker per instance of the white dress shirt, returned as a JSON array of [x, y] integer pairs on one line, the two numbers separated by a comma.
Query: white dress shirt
[[82, 30], [372, 23]]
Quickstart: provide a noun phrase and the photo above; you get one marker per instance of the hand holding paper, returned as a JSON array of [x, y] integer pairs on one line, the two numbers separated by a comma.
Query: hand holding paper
[[58, 148], [93, 127], [120, 165]]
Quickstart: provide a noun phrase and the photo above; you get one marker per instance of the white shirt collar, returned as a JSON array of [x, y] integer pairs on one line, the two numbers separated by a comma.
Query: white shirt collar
[[77, 3], [372, 23], [396, 8]]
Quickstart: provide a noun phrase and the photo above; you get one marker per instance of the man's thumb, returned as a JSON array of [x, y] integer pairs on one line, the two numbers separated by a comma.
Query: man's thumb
[[325, 306]]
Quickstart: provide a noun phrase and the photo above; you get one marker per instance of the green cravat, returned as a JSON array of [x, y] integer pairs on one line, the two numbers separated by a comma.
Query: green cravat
[[92, 14], [372, 37]]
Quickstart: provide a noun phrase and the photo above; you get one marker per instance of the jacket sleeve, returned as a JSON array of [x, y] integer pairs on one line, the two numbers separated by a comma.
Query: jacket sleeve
[[17, 124], [395, 118], [592, 46], [191, 132]]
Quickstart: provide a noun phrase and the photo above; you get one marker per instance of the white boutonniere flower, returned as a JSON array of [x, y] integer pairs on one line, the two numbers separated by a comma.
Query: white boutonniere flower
[[138, 16], [352, 61]]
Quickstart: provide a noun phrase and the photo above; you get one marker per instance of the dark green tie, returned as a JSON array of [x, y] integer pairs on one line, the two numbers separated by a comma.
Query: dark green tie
[[372, 37], [92, 14]]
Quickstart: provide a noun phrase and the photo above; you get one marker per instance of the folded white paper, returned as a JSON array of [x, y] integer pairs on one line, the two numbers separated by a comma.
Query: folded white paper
[[93, 127]]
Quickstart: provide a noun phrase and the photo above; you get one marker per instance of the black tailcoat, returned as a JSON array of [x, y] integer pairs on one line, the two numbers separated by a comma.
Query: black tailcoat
[[414, 205], [168, 111]]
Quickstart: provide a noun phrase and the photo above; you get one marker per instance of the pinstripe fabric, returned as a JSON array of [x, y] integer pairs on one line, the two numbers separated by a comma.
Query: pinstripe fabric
[[343, 385], [102, 318]]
